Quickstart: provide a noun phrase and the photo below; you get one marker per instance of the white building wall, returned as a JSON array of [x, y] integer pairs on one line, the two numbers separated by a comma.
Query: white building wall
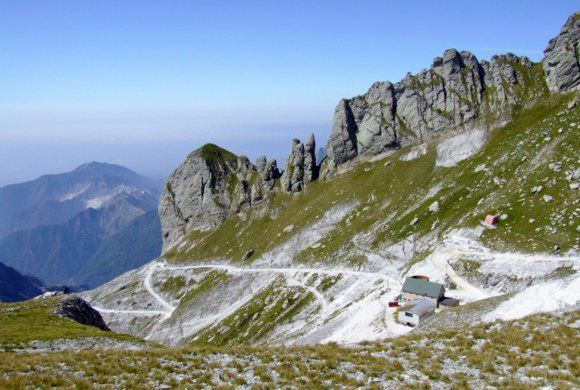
[[413, 319]]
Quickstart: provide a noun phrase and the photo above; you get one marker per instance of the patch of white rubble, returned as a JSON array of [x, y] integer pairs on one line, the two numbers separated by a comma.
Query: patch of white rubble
[[415, 153], [543, 297], [459, 147], [78, 190], [97, 202]]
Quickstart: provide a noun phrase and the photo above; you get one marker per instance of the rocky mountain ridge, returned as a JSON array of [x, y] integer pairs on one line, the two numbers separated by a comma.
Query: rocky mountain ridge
[[458, 93]]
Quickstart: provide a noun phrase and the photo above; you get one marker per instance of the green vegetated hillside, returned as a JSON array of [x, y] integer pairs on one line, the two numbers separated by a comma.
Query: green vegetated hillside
[[34, 321], [525, 173], [533, 352], [536, 149]]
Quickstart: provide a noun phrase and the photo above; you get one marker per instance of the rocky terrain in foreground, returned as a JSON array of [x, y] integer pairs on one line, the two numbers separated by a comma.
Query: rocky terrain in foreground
[[533, 352]]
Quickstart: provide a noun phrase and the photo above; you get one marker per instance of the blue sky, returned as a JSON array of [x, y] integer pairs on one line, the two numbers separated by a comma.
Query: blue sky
[[142, 83]]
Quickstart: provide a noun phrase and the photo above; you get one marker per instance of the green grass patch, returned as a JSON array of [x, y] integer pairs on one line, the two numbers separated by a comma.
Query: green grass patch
[[34, 320]]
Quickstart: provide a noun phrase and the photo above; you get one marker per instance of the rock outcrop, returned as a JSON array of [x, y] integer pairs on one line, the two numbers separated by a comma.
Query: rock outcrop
[[457, 90], [561, 62], [310, 165], [208, 187], [80, 311], [195, 194], [301, 166], [448, 95]]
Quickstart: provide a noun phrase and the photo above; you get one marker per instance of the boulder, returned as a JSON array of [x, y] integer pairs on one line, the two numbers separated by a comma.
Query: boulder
[[248, 255], [434, 207], [80, 311]]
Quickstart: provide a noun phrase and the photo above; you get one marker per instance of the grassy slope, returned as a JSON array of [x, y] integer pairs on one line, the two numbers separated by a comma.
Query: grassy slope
[[33, 320], [524, 354]]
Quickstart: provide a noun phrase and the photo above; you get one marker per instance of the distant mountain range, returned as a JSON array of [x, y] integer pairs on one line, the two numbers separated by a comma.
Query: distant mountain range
[[54, 199], [68, 228]]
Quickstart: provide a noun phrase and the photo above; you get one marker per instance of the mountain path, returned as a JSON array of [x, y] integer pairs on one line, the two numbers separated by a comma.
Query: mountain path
[[169, 309], [319, 297], [440, 259]]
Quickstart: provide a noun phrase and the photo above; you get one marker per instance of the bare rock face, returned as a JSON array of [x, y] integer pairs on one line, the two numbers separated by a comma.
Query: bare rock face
[[208, 187], [341, 145], [561, 65], [80, 311], [501, 77], [448, 95], [197, 194], [293, 176], [301, 165], [310, 166], [269, 173]]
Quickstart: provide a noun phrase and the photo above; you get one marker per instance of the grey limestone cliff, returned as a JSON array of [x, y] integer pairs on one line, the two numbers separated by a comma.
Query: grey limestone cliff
[[448, 95], [456, 91], [213, 184], [209, 186], [561, 62]]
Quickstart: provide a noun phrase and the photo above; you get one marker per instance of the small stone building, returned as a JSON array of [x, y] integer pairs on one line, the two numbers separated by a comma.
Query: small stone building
[[418, 289], [415, 312]]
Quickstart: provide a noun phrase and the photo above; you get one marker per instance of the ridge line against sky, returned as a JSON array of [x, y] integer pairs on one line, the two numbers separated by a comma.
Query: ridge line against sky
[[142, 83]]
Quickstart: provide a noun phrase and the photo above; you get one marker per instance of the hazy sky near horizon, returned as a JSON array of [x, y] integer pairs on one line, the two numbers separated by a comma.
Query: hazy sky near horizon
[[143, 83]]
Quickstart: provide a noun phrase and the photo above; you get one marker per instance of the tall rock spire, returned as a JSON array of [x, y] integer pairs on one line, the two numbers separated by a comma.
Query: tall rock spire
[[301, 166]]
